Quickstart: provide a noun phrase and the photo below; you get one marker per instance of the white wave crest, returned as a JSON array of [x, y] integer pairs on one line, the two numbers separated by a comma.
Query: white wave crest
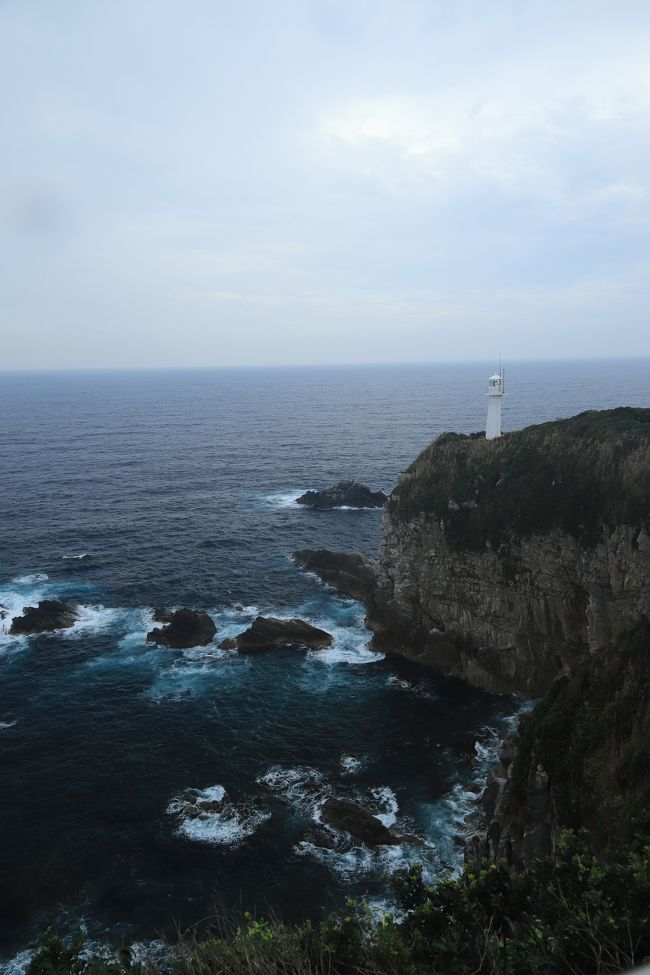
[[17, 965], [82, 555], [351, 764], [93, 619], [282, 499], [388, 801], [359, 863], [31, 580], [213, 819], [301, 786], [7, 724]]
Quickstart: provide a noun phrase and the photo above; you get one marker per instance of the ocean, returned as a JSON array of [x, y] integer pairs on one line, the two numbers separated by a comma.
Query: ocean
[[125, 491]]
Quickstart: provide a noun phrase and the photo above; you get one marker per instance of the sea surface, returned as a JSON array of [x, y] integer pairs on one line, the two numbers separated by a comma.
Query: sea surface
[[124, 491]]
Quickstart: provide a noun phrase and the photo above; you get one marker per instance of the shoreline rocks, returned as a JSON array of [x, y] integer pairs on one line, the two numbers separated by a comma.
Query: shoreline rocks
[[345, 494], [350, 573], [185, 628], [267, 632], [49, 615], [518, 831]]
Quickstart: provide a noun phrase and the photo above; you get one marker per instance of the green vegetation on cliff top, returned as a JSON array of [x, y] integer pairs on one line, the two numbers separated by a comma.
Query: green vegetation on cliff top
[[572, 915], [575, 475]]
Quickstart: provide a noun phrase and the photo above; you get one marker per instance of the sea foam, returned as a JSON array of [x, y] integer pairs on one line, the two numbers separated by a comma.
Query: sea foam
[[228, 825]]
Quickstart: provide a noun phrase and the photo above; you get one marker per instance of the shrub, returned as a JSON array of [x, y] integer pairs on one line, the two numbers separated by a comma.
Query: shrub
[[577, 475]]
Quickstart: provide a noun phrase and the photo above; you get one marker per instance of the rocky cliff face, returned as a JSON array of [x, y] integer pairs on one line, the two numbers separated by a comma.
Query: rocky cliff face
[[580, 760], [511, 619], [517, 825], [503, 562]]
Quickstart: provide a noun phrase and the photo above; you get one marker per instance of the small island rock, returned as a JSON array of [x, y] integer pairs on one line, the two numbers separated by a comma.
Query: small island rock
[[345, 494], [348, 817], [161, 615], [50, 614], [186, 628], [267, 632]]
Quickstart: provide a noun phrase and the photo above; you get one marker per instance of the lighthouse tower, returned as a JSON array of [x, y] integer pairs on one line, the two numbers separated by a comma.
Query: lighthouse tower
[[496, 390]]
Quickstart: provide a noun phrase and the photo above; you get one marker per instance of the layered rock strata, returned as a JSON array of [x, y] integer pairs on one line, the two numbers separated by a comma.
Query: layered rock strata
[[507, 621]]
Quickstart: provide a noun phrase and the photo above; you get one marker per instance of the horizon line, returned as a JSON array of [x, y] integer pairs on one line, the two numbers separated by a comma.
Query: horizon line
[[316, 365]]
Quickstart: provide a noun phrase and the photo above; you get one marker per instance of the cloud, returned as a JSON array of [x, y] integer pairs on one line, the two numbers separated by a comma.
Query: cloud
[[339, 181], [575, 140]]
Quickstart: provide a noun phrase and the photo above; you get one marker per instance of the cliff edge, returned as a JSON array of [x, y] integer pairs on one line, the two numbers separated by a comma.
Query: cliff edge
[[504, 562]]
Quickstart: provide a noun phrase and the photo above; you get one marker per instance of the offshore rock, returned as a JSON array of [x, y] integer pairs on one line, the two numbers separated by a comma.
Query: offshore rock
[[49, 615], [345, 494], [186, 628], [163, 615], [350, 573], [348, 817], [267, 632]]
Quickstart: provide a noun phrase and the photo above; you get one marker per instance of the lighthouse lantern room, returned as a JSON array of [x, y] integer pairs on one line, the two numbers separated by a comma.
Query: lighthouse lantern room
[[496, 390]]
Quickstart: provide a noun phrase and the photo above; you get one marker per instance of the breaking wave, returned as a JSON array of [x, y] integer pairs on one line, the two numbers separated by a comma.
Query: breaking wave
[[208, 816]]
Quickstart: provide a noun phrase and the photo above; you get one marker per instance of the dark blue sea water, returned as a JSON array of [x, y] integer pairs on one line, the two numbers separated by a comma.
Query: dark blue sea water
[[125, 491]]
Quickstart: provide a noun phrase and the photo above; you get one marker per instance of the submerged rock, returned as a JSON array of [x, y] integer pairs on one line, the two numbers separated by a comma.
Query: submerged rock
[[193, 805], [50, 614], [186, 628], [348, 817], [321, 838], [267, 632], [350, 573], [345, 494]]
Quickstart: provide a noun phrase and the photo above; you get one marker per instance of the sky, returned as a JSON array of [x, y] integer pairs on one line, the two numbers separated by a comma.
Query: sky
[[209, 183]]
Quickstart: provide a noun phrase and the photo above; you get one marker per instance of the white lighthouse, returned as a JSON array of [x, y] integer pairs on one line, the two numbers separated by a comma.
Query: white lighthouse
[[496, 390]]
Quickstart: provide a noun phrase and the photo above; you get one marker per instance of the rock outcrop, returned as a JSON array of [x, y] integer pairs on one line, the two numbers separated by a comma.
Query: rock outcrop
[[349, 817], [345, 494], [186, 628], [266, 632], [350, 573], [49, 615]]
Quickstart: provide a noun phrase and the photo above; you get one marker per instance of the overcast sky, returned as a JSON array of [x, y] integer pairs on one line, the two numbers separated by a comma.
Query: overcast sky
[[201, 182]]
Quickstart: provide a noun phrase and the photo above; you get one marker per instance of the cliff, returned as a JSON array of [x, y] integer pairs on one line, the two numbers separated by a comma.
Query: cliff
[[522, 565], [504, 562], [580, 761]]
